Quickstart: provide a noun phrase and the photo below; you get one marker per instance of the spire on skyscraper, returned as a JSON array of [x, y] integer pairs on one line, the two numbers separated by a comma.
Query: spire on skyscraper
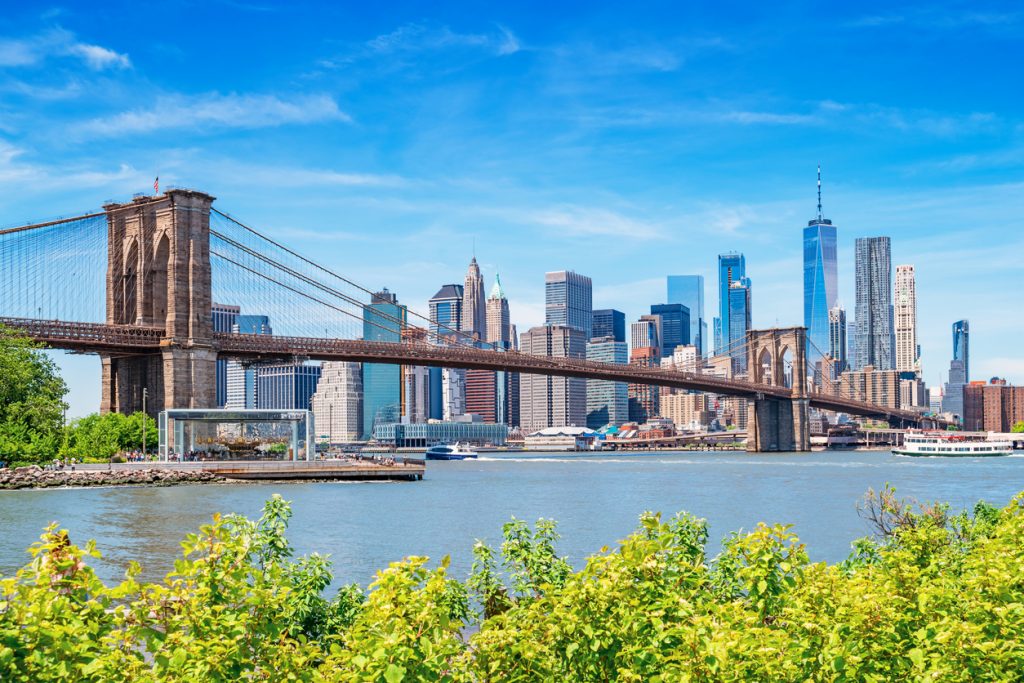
[[819, 192], [496, 291]]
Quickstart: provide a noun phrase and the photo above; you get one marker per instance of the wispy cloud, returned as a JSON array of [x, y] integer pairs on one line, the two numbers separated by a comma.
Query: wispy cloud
[[417, 38], [939, 18], [214, 110], [58, 42], [576, 221]]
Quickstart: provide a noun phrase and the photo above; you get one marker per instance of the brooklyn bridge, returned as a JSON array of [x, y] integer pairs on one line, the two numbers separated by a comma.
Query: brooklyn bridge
[[135, 283]]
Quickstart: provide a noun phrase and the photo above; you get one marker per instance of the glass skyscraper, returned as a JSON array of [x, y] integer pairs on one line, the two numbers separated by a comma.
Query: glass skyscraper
[[739, 321], [731, 267], [223, 321], [837, 329], [609, 322], [688, 290], [875, 338], [568, 301], [961, 337], [675, 326], [445, 311], [821, 282], [289, 386], [607, 402], [383, 320], [241, 380]]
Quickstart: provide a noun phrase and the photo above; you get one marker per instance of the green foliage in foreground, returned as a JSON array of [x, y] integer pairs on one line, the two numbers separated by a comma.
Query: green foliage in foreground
[[1018, 428], [31, 401], [940, 597], [98, 437]]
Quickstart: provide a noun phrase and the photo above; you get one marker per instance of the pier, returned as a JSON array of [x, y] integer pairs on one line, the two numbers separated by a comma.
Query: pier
[[363, 469]]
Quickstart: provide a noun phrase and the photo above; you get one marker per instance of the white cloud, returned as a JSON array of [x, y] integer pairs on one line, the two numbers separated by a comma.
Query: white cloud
[[419, 37], [58, 42], [582, 221], [218, 111]]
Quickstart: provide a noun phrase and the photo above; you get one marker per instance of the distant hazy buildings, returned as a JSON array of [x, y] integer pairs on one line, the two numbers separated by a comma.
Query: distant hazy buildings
[[731, 267], [961, 346], [881, 387], [338, 402], [739, 322], [223, 321], [383, 320], [675, 326], [821, 281], [474, 312], [905, 312], [837, 347], [609, 322], [874, 303], [552, 401], [241, 379], [688, 290], [568, 301], [607, 402], [953, 396], [288, 386]]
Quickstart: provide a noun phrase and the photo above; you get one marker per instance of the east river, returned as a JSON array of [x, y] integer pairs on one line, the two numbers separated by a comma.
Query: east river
[[596, 500]]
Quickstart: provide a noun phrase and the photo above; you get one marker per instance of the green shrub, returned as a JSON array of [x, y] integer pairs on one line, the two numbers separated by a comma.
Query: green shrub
[[937, 597]]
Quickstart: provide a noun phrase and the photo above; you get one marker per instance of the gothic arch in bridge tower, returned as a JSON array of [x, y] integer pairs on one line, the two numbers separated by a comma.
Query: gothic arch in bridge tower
[[158, 275], [778, 357]]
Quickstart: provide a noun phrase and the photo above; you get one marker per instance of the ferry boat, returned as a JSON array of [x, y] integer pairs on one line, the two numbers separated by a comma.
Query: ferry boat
[[950, 445], [456, 451]]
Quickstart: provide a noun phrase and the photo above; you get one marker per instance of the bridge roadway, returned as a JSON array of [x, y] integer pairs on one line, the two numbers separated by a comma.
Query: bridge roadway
[[131, 339]]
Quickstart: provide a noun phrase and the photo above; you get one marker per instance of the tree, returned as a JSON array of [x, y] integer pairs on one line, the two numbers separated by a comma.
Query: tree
[[31, 401], [98, 437], [1018, 428]]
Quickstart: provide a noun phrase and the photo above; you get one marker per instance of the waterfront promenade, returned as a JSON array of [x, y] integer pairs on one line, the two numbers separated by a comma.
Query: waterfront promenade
[[346, 469]]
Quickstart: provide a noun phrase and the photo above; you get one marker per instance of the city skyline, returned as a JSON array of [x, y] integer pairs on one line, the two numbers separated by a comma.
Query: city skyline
[[568, 143]]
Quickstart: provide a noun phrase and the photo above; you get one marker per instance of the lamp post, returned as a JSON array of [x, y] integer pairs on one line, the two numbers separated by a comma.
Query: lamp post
[[144, 392]]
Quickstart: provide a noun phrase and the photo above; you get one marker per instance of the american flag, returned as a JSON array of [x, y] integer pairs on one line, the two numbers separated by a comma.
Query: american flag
[[156, 185]]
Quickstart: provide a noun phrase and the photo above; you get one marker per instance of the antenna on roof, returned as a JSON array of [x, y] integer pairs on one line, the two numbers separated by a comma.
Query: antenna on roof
[[819, 192]]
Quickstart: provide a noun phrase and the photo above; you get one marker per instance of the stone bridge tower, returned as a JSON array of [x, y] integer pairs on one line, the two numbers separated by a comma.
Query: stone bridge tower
[[778, 357], [158, 275]]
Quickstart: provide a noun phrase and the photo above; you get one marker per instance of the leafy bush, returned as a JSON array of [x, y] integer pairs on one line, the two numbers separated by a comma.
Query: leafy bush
[[936, 596]]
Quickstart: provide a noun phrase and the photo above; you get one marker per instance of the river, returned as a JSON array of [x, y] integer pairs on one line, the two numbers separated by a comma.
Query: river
[[596, 500]]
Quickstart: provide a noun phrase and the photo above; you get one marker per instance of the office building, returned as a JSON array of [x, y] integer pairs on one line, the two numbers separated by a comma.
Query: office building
[[881, 387], [552, 401], [445, 312], [453, 393], [688, 411], [415, 394], [821, 281], [609, 322], [223, 321], [675, 326], [731, 268], [935, 400], [874, 304], [645, 333], [463, 430], [491, 395], [993, 407], [953, 395], [499, 325], [644, 399], [286, 386], [241, 379], [383, 320], [686, 358], [961, 347], [474, 310], [905, 314], [337, 404], [688, 290], [568, 301], [837, 329], [739, 322], [607, 402]]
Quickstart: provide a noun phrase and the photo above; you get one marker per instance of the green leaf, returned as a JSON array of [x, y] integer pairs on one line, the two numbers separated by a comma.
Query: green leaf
[[394, 673]]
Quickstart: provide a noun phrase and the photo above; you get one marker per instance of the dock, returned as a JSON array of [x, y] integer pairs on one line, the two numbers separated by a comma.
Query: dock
[[278, 470]]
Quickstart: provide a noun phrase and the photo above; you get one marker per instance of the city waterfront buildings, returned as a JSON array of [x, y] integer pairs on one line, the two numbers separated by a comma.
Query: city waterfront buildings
[[961, 346], [383, 320], [337, 404], [688, 290], [423, 435], [687, 411], [881, 387], [607, 402], [568, 301], [474, 310], [731, 267], [837, 347], [609, 322], [675, 326], [905, 313], [286, 386], [223, 321], [821, 281], [546, 401], [992, 407], [875, 337], [953, 396], [739, 322]]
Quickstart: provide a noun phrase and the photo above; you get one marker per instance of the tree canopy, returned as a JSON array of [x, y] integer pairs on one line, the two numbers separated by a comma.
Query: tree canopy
[[31, 401]]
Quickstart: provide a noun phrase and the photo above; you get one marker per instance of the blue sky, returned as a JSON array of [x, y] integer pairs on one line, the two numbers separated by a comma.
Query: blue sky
[[624, 143]]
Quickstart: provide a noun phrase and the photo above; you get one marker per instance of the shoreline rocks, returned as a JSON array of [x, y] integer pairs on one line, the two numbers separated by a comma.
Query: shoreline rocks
[[36, 477]]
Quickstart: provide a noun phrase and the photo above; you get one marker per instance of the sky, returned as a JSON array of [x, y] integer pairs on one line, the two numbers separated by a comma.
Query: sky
[[626, 143]]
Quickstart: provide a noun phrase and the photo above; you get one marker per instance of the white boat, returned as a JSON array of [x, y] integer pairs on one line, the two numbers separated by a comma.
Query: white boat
[[950, 445], [456, 451]]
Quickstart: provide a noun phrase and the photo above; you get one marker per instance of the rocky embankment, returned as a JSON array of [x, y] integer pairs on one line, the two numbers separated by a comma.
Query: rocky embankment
[[38, 477]]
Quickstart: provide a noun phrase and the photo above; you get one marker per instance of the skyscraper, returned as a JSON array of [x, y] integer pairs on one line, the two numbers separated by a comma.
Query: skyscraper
[[953, 396], [675, 326], [837, 348], [961, 335], [546, 401], [731, 267], [383, 320], [241, 379], [688, 290], [569, 301], [474, 312], [739, 322], [874, 303], [607, 402], [223, 321], [821, 282], [609, 322], [500, 336], [905, 312], [499, 327], [645, 333], [445, 312], [288, 386], [338, 402], [446, 384]]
